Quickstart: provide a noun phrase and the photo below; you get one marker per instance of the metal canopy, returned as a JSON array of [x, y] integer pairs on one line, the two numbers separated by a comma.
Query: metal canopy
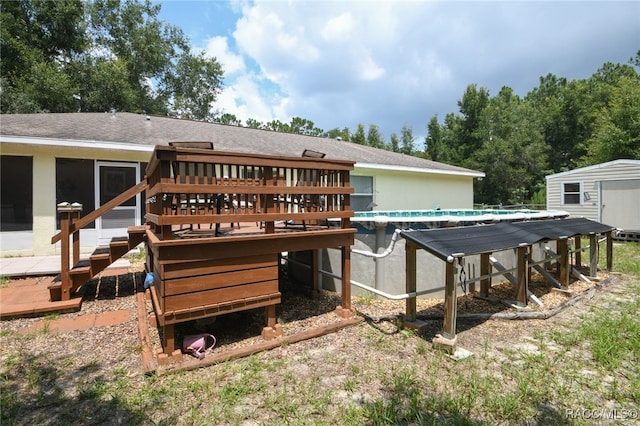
[[476, 239]]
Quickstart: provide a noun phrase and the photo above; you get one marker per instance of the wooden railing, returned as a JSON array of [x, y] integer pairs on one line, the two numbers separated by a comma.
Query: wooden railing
[[189, 186], [70, 226]]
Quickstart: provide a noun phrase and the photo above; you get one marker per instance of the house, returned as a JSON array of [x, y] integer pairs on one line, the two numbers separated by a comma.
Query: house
[[90, 158], [607, 192]]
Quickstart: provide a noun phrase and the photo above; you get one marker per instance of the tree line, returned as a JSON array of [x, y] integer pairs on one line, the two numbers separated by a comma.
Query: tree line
[[75, 55], [72, 55]]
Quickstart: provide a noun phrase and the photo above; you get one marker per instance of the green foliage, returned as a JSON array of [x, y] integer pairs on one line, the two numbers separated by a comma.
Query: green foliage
[[408, 140], [67, 56], [358, 136], [374, 137], [557, 126], [616, 131]]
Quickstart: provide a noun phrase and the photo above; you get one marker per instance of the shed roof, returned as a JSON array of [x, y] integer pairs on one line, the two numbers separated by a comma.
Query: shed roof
[[596, 167], [147, 131]]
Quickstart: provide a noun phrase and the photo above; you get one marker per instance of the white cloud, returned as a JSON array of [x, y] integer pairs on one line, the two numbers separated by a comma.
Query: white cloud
[[338, 28], [389, 63], [370, 70], [245, 99], [231, 62]]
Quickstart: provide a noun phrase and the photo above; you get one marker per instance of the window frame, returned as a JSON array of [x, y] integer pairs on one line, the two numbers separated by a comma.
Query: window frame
[[369, 196], [565, 193]]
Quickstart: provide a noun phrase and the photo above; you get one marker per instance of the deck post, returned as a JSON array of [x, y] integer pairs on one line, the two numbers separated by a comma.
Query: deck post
[[447, 339], [563, 263], [65, 277], [485, 269], [68, 213], [609, 251], [523, 274], [75, 216], [577, 243], [169, 338], [410, 281], [315, 272], [593, 255], [345, 310]]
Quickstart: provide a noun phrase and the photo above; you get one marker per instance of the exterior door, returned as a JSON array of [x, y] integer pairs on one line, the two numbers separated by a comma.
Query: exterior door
[[621, 204], [113, 180]]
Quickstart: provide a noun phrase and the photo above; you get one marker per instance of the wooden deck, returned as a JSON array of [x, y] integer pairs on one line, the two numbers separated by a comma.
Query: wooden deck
[[216, 225], [218, 222]]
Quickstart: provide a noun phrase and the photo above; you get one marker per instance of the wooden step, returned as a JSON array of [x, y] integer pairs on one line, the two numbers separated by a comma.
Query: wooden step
[[100, 260], [119, 246], [136, 235]]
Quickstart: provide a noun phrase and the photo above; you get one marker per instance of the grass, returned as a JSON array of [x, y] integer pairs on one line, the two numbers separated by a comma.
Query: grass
[[389, 377]]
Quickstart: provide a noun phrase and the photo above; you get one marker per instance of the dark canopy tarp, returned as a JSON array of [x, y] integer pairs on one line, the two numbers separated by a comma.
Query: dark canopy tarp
[[468, 240]]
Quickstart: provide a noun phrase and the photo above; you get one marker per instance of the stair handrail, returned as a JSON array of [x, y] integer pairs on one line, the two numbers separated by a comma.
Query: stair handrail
[[105, 208]]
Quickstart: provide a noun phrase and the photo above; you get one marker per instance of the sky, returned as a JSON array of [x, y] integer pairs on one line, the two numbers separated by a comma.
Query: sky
[[341, 63]]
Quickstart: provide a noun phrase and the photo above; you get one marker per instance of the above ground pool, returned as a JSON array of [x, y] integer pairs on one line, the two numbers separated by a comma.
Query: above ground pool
[[439, 218]]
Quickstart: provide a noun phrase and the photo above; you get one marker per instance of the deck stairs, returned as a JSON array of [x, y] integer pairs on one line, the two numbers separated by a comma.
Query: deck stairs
[[99, 260]]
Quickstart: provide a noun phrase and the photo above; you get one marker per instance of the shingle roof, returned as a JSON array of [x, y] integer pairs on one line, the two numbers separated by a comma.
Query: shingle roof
[[137, 129]]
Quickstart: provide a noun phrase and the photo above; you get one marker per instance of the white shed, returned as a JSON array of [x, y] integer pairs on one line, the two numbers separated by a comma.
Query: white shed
[[607, 192]]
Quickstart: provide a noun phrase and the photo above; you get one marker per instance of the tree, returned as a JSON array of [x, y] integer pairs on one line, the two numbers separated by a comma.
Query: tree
[[228, 119], [304, 126], [473, 102], [195, 87], [513, 154], [69, 55], [358, 136], [441, 142], [617, 128], [394, 145], [374, 137], [408, 140], [38, 38], [254, 124], [337, 133]]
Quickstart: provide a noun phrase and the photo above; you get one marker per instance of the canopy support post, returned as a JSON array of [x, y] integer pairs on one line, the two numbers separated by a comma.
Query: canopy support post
[[563, 263], [485, 269], [410, 283], [523, 274], [447, 339], [609, 251], [593, 255]]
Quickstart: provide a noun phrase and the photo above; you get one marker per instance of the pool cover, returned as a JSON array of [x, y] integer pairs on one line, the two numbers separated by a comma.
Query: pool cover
[[468, 240]]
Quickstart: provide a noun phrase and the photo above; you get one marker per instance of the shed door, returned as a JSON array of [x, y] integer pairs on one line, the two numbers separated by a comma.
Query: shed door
[[621, 204], [113, 180]]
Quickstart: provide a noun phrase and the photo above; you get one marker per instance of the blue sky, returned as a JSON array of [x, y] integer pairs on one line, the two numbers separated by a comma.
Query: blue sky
[[340, 63]]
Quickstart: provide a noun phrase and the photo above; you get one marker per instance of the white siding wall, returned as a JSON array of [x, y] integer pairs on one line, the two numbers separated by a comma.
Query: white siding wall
[[590, 178], [395, 190]]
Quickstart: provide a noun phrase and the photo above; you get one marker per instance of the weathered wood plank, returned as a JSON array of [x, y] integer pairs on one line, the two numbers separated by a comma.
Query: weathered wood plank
[[217, 296], [215, 266], [218, 281]]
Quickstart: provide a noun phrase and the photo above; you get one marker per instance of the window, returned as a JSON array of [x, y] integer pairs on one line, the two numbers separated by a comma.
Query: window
[[362, 197], [75, 183], [16, 193], [571, 193]]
